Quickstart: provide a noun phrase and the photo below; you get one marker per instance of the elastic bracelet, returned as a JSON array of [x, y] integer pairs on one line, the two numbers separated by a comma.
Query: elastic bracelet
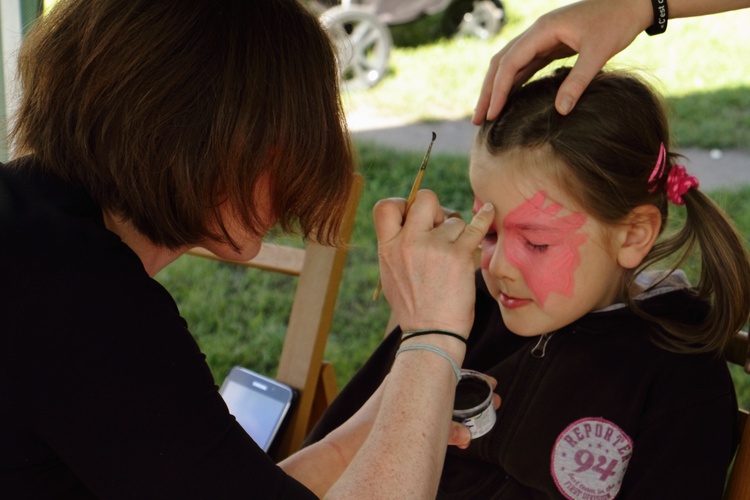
[[417, 333], [661, 14], [436, 350]]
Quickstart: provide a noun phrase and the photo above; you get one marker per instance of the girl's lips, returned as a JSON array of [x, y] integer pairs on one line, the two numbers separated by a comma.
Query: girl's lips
[[512, 302]]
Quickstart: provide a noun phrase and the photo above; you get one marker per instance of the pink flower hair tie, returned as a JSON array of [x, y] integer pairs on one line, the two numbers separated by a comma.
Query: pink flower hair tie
[[678, 183]]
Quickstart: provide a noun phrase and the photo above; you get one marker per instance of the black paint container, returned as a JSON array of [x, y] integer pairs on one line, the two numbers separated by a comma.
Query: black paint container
[[473, 405]]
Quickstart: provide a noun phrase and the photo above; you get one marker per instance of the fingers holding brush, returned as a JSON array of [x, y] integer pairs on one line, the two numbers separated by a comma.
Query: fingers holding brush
[[391, 215], [410, 200], [426, 264]]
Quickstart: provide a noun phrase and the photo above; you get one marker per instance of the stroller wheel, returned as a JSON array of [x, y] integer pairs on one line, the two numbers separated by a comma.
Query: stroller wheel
[[363, 44], [476, 18]]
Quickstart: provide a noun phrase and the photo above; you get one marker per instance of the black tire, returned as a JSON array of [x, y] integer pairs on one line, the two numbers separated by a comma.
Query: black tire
[[475, 18], [363, 44]]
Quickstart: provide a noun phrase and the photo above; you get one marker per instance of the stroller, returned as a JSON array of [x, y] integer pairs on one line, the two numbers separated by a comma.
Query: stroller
[[360, 31]]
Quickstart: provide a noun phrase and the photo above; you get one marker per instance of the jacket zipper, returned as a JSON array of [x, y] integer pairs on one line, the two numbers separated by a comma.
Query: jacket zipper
[[540, 349], [529, 374]]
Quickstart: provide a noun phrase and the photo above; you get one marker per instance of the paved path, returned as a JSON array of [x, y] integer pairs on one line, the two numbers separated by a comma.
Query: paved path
[[714, 169]]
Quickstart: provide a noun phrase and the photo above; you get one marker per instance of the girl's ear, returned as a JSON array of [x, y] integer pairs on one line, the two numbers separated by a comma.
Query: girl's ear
[[637, 235]]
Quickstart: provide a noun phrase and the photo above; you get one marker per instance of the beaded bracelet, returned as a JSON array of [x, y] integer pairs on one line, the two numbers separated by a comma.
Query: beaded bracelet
[[661, 14], [406, 335], [436, 350]]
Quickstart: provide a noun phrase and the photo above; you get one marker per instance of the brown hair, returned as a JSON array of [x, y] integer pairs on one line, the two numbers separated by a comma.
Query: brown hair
[[608, 147], [162, 110]]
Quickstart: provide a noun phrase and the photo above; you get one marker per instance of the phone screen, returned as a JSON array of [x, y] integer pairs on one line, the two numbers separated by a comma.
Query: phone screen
[[258, 404]]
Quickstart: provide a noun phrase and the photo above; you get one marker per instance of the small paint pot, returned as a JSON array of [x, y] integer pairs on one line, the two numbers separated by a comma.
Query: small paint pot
[[473, 405]]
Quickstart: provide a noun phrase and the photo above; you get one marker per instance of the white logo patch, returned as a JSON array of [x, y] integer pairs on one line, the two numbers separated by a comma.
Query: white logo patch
[[590, 458]]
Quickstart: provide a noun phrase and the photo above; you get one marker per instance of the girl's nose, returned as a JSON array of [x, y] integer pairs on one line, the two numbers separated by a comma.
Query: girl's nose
[[496, 262], [487, 248]]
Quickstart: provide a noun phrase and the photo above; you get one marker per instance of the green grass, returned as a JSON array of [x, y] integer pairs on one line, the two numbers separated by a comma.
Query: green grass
[[699, 64], [238, 316]]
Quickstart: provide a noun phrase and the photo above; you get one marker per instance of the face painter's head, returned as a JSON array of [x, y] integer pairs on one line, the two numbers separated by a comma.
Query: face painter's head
[[165, 113]]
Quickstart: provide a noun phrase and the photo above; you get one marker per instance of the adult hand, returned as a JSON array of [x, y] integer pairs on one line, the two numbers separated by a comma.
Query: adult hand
[[427, 264], [595, 29]]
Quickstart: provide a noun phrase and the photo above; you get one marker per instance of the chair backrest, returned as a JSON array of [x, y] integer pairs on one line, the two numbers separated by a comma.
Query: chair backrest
[[738, 484], [319, 270]]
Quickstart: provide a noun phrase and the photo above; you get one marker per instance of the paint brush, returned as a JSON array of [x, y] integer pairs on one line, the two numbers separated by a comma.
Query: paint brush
[[410, 200]]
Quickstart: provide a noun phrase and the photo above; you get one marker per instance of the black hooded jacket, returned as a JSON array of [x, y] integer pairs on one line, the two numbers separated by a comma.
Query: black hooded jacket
[[593, 411]]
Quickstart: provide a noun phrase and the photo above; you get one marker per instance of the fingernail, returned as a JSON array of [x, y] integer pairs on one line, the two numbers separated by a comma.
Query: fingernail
[[467, 438], [487, 207], [566, 105]]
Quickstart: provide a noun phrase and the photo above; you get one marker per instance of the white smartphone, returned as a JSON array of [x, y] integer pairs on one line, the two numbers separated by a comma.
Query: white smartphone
[[259, 403]]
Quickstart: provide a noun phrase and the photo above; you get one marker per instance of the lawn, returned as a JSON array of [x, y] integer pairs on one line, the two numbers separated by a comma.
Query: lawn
[[700, 64], [238, 316]]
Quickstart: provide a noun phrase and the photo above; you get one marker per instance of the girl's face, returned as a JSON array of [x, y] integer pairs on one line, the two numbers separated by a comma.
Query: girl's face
[[546, 262]]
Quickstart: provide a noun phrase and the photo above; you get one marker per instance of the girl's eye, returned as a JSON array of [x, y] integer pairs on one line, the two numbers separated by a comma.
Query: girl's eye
[[491, 236], [537, 248]]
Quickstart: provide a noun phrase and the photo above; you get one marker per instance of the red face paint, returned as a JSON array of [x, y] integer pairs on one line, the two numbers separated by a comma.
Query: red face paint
[[543, 246]]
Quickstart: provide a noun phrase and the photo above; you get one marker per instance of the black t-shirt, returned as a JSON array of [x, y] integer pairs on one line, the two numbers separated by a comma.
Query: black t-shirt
[[103, 391], [603, 413]]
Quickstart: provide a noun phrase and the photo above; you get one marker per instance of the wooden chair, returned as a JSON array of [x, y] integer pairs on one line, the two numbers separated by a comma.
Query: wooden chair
[[738, 484], [319, 270]]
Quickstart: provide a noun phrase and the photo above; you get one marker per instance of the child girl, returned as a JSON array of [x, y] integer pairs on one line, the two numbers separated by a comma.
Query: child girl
[[611, 375]]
